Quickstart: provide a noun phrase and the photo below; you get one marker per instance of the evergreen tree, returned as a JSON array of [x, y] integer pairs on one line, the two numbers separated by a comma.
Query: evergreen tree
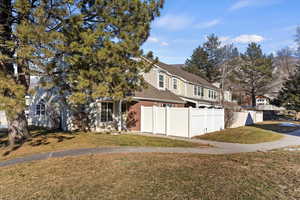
[[289, 95], [206, 59], [84, 49], [255, 71], [198, 63], [24, 27]]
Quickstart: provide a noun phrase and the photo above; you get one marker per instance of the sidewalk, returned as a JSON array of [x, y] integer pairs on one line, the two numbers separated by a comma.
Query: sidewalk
[[218, 148]]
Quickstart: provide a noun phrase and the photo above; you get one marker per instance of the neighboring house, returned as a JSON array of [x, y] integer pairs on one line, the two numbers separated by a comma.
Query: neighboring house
[[262, 100]]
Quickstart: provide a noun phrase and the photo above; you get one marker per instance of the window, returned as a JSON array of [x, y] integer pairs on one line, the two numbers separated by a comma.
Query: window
[[212, 94], [106, 112], [168, 105], [175, 84], [198, 91], [161, 81], [41, 108], [195, 90]]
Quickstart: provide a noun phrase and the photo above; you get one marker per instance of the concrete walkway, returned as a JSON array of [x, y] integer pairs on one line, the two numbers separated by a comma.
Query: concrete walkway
[[290, 139]]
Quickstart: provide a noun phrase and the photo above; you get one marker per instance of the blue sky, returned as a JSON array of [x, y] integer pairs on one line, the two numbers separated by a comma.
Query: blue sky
[[184, 25]]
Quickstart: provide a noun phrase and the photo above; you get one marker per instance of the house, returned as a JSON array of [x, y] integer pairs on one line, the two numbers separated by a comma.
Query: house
[[170, 86], [262, 100], [167, 86], [194, 90]]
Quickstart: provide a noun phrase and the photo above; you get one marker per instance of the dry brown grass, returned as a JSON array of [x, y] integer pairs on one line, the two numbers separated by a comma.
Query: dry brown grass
[[156, 176], [47, 142], [242, 135]]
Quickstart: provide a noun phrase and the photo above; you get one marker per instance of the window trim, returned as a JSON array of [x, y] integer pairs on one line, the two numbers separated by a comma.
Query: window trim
[[163, 81], [40, 108], [198, 91], [107, 117], [175, 83]]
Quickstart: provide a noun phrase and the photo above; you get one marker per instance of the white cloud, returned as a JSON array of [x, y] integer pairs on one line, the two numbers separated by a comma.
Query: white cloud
[[164, 44], [153, 39], [241, 4], [173, 22], [248, 38], [224, 38], [208, 24], [249, 3], [158, 41]]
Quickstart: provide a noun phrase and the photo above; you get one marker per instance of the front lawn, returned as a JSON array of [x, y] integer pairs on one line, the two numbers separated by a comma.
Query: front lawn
[[242, 135], [272, 175], [43, 141]]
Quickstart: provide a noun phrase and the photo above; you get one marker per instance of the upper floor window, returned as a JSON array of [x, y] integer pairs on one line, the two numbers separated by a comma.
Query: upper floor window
[[175, 84], [198, 91], [161, 81], [212, 94], [41, 108]]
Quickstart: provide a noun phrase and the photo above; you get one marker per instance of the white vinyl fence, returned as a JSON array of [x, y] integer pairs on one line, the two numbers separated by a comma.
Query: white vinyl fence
[[181, 122], [246, 118]]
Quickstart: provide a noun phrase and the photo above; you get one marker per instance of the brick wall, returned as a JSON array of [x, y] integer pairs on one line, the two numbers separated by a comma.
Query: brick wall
[[133, 121]]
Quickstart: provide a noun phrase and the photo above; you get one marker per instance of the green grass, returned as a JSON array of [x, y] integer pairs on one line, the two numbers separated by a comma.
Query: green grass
[[46, 142], [150, 176], [242, 135]]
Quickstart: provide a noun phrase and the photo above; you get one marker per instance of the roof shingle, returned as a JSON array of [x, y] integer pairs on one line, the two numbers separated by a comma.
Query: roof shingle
[[153, 93]]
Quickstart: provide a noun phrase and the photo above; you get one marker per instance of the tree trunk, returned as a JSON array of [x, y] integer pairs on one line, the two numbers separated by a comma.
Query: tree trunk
[[253, 98], [18, 131]]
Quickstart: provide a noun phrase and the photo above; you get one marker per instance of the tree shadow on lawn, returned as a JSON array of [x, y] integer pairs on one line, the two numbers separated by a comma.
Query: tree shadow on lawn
[[40, 136], [278, 128]]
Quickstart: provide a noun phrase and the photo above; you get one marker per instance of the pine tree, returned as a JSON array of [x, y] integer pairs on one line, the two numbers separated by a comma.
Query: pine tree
[[289, 95], [255, 71], [198, 63], [205, 59], [84, 49]]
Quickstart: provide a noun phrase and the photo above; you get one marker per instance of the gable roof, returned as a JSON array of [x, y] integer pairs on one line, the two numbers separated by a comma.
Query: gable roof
[[152, 93], [179, 71]]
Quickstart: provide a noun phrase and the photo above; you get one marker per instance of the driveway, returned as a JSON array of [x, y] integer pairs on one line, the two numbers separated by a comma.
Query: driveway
[[290, 139]]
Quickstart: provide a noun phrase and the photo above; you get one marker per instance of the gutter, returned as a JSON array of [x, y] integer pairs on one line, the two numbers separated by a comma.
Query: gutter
[[161, 100]]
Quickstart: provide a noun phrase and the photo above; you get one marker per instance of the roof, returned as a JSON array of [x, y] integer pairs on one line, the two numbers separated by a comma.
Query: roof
[[262, 97], [179, 71], [152, 93]]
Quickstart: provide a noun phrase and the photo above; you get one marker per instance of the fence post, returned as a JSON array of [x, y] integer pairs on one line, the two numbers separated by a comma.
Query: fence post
[[154, 119], [167, 115], [190, 122], [142, 119]]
